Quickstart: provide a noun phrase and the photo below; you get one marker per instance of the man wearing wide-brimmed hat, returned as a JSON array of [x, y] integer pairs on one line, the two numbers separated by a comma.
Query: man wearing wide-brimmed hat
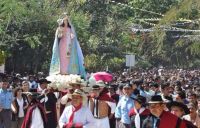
[[48, 99], [138, 113], [65, 100], [43, 83], [73, 85], [103, 88], [99, 104], [77, 83], [35, 116], [77, 115], [159, 118]]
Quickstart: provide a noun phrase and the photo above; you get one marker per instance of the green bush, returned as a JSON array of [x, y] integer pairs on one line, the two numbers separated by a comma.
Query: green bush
[[143, 64], [2, 57], [95, 63], [195, 64]]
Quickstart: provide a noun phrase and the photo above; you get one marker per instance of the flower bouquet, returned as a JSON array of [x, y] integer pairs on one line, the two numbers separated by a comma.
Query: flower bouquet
[[61, 82]]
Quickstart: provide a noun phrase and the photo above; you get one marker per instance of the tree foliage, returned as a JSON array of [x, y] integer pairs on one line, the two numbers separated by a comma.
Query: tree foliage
[[104, 30]]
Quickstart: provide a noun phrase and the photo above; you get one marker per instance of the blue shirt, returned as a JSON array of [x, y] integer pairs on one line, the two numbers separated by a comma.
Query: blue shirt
[[6, 98], [33, 85], [123, 108]]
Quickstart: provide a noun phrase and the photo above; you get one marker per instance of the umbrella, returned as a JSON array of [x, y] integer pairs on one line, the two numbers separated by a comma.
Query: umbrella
[[104, 76]]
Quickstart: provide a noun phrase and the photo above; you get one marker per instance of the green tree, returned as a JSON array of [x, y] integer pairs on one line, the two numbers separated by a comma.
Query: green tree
[[173, 48], [104, 30]]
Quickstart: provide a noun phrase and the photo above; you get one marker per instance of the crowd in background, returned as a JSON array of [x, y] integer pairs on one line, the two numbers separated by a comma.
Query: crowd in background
[[157, 98]]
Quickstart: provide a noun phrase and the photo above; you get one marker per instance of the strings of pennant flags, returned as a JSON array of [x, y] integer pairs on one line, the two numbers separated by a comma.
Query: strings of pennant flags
[[149, 20], [186, 36], [164, 29], [137, 8]]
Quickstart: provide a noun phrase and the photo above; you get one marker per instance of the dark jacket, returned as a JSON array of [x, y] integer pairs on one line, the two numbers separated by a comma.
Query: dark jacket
[[50, 103], [25, 103], [50, 106], [166, 120], [143, 116], [189, 124], [27, 119]]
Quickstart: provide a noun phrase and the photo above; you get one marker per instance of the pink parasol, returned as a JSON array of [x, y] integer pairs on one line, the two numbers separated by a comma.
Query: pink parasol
[[104, 76]]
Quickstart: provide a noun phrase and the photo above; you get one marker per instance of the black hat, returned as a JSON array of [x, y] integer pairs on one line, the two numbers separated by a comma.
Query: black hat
[[156, 99], [112, 86], [4, 77], [42, 81], [120, 86], [140, 99], [32, 92], [137, 82], [180, 105], [95, 87]]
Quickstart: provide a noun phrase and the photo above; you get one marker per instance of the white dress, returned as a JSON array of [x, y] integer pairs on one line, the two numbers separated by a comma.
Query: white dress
[[37, 121], [83, 115]]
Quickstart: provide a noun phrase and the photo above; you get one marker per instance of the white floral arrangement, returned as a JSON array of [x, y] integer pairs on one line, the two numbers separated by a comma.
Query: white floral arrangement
[[61, 82]]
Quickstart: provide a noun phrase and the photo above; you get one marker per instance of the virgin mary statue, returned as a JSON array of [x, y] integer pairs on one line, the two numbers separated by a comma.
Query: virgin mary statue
[[67, 56]]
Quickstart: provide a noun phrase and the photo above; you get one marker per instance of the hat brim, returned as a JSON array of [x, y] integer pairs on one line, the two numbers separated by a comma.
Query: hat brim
[[101, 85], [156, 102], [75, 94], [84, 100], [34, 94], [96, 88], [71, 84], [48, 82], [127, 87], [137, 101], [42, 82]]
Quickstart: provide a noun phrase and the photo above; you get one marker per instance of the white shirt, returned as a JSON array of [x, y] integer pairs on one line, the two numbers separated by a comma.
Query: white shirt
[[196, 122], [83, 115], [21, 106], [32, 84], [37, 121]]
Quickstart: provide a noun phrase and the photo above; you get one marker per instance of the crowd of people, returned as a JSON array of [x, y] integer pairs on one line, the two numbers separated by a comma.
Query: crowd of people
[[157, 98]]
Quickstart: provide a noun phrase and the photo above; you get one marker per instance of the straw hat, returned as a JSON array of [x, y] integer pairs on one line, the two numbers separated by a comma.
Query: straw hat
[[76, 82], [100, 83], [78, 92]]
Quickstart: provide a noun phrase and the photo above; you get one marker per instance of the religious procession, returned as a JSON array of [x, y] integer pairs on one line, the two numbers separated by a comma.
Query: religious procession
[[162, 94]]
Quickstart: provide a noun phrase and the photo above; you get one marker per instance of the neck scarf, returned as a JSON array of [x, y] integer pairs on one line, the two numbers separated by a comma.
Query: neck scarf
[[137, 117], [74, 109]]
